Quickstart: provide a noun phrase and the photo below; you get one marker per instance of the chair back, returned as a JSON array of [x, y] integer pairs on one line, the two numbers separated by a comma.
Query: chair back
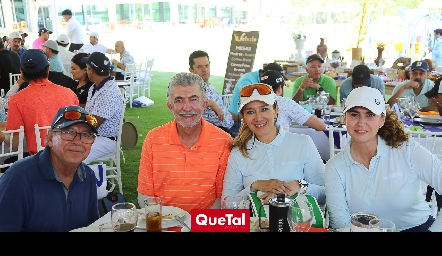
[[337, 138], [40, 135], [67, 70], [226, 99], [7, 150], [145, 77], [13, 78]]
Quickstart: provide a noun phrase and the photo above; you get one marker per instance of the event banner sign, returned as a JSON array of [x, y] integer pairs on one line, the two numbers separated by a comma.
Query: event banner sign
[[241, 57]]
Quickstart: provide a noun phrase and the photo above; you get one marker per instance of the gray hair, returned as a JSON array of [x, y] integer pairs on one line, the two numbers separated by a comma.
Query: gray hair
[[184, 79]]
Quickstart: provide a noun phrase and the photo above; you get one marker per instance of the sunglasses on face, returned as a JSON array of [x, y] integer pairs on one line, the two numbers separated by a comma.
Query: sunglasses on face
[[262, 89], [75, 115]]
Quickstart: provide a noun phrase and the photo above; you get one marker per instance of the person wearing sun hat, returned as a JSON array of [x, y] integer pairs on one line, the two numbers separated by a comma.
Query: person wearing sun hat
[[361, 76], [314, 81], [290, 110], [383, 165], [53, 190], [267, 159]]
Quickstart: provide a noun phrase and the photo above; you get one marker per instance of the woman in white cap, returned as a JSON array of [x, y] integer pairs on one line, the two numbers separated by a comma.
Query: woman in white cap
[[267, 159], [381, 168]]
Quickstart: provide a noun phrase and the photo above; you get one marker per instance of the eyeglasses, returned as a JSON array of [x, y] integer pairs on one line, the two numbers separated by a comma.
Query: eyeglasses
[[263, 89], [76, 115], [69, 135]]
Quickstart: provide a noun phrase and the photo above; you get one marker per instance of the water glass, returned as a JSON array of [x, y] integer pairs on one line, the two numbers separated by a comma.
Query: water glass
[[327, 112], [124, 217], [381, 225], [233, 202], [301, 217]]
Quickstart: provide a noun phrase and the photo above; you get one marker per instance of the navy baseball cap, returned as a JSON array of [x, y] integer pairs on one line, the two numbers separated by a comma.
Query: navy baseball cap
[[98, 62], [43, 30], [314, 57], [33, 61], [361, 75], [421, 64], [70, 115], [275, 66]]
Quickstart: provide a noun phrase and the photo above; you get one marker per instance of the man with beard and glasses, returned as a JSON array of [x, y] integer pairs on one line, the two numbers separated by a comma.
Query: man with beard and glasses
[[184, 161]]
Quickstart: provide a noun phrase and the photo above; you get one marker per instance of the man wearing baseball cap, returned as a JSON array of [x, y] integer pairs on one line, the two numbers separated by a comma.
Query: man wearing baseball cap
[[53, 190], [105, 103], [15, 39], [50, 48], [43, 36], [246, 79], [39, 102], [289, 110], [416, 87], [314, 81], [360, 76], [94, 46], [63, 53]]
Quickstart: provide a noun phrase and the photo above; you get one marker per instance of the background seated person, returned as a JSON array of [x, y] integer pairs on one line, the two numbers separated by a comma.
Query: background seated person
[[290, 110], [361, 77], [314, 80], [416, 87]]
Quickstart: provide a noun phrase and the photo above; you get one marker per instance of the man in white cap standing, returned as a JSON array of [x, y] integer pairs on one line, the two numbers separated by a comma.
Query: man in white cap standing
[[94, 46], [63, 53]]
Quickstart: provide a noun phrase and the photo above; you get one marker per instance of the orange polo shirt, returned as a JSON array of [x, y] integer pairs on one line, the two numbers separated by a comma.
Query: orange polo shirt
[[37, 104], [189, 178]]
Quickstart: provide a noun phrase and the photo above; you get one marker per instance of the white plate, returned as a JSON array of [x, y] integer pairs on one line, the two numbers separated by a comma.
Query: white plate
[[170, 212], [428, 121], [87, 229], [336, 113], [430, 117]]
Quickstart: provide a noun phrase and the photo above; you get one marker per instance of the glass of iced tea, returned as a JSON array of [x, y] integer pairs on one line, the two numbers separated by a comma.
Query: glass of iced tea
[[152, 206]]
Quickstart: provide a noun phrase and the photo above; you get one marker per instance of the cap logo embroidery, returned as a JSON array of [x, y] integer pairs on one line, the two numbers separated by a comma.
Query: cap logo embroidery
[[418, 64], [377, 102], [279, 80], [106, 62]]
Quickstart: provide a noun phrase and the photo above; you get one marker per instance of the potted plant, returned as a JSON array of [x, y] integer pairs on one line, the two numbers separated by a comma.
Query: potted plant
[[366, 13]]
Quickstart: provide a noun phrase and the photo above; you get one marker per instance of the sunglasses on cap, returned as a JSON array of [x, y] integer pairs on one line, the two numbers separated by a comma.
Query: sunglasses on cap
[[76, 115], [263, 89]]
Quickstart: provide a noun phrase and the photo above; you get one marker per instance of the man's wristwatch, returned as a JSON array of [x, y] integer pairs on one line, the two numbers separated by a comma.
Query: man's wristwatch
[[303, 184]]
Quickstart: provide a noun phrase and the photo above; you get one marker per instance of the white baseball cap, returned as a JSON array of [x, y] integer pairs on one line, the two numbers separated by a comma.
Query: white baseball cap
[[269, 97], [95, 34], [14, 35], [63, 39], [367, 97]]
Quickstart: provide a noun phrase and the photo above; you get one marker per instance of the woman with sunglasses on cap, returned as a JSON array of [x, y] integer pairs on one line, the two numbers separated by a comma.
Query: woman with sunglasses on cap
[[268, 159], [381, 169]]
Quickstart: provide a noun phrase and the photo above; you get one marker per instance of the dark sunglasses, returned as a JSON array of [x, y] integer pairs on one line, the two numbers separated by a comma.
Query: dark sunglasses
[[263, 89]]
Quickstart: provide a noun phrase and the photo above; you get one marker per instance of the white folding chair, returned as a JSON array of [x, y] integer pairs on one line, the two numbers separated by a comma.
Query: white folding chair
[[433, 142], [129, 76], [144, 77], [339, 133], [113, 160], [226, 99], [67, 70], [13, 78], [40, 135], [7, 150]]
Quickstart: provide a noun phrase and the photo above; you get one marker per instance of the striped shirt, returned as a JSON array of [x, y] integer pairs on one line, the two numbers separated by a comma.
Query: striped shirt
[[189, 178]]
